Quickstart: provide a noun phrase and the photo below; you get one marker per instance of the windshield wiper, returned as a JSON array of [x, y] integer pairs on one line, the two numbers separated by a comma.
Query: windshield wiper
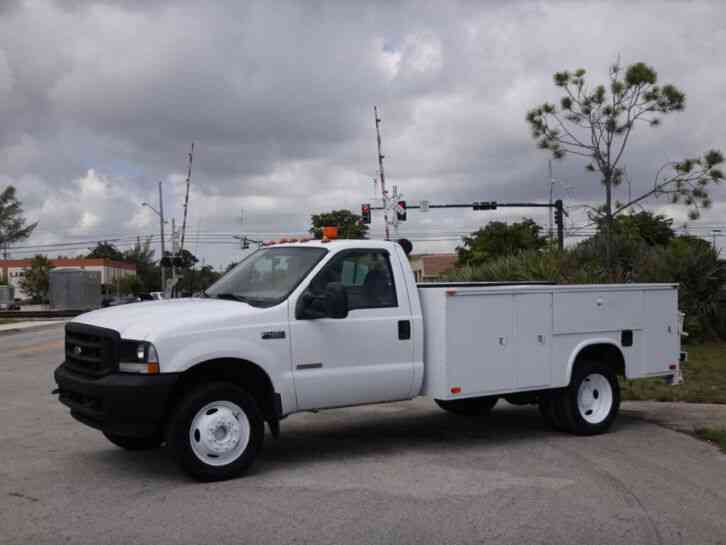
[[233, 297]]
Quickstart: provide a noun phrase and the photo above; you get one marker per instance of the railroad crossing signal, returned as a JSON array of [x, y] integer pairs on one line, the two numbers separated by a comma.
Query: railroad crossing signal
[[401, 211]]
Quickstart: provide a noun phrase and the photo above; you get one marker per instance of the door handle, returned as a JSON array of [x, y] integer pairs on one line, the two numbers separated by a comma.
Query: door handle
[[404, 330]]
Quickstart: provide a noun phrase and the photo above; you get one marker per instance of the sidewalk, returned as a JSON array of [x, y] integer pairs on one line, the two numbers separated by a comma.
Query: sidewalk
[[683, 417], [28, 325]]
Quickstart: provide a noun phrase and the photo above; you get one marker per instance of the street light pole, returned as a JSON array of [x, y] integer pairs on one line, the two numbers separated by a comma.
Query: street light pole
[[160, 213], [161, 226]]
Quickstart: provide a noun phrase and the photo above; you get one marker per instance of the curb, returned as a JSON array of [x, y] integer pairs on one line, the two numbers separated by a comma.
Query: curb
[[30, 328]]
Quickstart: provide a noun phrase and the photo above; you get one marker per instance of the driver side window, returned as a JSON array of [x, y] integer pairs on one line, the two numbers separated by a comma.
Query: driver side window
[[366, 276]]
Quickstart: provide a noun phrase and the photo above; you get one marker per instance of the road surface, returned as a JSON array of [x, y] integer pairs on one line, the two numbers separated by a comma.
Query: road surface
[[398, 473]]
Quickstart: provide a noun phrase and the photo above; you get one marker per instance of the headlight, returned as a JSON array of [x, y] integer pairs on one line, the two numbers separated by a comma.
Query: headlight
[[138, 357]]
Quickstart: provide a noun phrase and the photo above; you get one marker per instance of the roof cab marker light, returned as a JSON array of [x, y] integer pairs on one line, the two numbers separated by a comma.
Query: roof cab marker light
[[330, 233], [451, 292]]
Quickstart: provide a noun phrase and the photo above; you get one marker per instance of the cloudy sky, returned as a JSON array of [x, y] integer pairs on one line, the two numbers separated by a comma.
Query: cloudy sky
[[99, 100]]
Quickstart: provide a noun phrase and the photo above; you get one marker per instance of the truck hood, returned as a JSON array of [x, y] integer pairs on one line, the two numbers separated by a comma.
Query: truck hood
[[148, 320]]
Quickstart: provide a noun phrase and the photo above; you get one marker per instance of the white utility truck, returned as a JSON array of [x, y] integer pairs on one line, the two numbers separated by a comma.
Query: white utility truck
[[302, 326]]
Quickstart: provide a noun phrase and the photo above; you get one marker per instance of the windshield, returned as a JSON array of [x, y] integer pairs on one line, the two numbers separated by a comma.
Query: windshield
[[268, 276]]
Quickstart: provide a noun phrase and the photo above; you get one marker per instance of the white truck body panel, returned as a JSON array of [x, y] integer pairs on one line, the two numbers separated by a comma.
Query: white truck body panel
[[488, 340]]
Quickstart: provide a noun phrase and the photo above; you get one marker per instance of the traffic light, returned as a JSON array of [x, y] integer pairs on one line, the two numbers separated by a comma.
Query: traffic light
[[365, 213], [401, 211], [485, 205], [172, 261]]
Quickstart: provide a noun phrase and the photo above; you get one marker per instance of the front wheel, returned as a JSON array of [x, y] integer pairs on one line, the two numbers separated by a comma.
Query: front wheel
[[592, 401], [473, 406], [216, 432]]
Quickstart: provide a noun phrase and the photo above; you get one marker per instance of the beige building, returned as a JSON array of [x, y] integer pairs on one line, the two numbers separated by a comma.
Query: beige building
[[109, 271], [431, 267]]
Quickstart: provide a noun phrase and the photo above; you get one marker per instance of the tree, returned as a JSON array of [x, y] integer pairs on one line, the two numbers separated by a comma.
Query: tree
[[349, 224], [147, 272], [183, 259], [130, 285], [106, 250], [653, 229], [13, 227], [596, 123], [499, 239], [35, 279], [194, 281]]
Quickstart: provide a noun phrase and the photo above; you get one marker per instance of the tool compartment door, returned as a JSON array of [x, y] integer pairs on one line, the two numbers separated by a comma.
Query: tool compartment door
[[532, 332], [479, 344]]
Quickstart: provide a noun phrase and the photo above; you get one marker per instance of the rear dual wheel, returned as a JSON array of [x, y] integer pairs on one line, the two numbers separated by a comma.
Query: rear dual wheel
[[589, 405]]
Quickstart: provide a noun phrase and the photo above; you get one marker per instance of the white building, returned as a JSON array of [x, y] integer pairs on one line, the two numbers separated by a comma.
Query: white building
[[109, 271]]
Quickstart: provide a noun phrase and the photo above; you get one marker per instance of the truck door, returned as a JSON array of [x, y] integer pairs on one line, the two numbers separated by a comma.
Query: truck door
[[366, 357]]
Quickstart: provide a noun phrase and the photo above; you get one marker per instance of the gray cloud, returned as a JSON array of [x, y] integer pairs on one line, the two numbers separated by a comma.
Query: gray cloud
[[278, 98]]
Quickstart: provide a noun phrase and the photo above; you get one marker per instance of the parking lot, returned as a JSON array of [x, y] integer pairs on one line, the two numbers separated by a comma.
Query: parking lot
[[395, 473]]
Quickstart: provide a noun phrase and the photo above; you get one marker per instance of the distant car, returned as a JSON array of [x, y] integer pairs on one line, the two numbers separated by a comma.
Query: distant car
[[151, 296], [116, 301]]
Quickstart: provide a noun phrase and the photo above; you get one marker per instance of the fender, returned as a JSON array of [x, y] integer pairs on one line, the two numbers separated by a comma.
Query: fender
[[202, 350], [582, 345]]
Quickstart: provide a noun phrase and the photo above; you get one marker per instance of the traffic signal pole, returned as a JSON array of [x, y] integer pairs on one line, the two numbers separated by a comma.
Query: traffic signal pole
[[493, 205]]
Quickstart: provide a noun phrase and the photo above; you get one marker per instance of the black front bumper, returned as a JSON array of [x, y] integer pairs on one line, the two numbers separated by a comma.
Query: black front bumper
[[119, 403]]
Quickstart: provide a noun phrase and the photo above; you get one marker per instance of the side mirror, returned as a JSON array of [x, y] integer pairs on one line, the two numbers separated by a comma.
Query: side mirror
[[335, 301]]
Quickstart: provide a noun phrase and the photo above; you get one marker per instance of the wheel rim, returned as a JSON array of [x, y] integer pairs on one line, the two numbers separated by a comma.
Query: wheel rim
[[219, 433], [595, 398]]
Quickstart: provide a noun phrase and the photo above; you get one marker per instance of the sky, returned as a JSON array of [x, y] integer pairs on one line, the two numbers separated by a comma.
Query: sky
[[100, 100]]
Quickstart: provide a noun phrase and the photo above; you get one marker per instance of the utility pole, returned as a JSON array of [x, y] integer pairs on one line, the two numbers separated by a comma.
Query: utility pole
[[173, 253], [382, 173], [161, 225], [186, 198]]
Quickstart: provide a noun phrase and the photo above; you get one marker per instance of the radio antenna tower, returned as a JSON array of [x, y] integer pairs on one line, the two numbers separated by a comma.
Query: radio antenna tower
[[186, 198], [381, 172]]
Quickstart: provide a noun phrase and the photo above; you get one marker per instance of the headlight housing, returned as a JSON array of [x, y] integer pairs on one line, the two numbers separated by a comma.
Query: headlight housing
[[138, 357]]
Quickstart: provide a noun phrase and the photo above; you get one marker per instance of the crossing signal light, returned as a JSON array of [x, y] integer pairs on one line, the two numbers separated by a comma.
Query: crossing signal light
[[485, 205], [401, 211], [365, 213], [172, 261]]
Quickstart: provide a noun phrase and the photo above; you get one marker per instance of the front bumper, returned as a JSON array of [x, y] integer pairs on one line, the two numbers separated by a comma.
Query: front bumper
[[119, 403]]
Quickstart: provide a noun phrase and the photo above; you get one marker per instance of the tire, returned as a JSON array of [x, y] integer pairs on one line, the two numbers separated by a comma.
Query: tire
[[134, 443], [473, 406], [592, 401], [549, 408], [216, 432]]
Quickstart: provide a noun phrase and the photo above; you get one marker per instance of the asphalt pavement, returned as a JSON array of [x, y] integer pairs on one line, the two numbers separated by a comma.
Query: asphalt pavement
[[396, 473]]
